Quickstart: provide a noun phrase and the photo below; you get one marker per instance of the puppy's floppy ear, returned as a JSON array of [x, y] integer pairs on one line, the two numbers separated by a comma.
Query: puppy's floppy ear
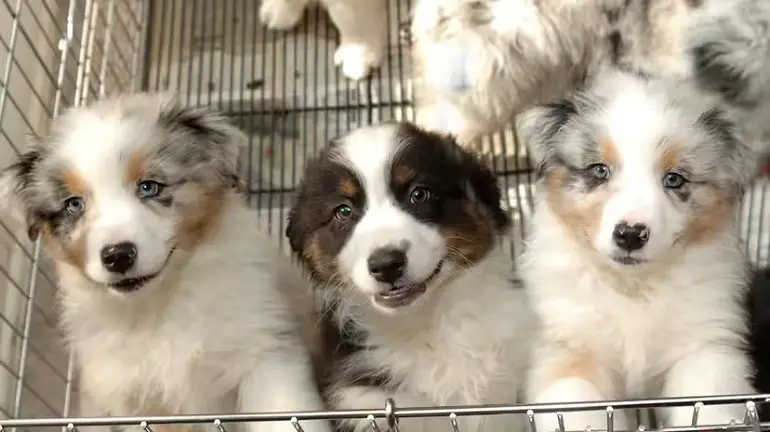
[[538, 128], [739, 157], [483, 186], [221, 141], [16, 183]]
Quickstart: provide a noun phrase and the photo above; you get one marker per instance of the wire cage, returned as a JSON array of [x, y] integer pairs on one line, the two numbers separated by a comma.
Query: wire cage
[[283, 89]]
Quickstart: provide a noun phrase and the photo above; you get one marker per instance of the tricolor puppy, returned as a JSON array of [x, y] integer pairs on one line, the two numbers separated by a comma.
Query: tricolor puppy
[[172, 299], [634, 263], [399, 228]]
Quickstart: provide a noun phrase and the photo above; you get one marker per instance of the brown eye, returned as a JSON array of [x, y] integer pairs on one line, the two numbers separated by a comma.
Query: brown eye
[[419, 195]]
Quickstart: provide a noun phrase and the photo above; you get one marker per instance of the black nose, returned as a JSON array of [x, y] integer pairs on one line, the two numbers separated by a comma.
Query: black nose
[[630, 237], [387, 264], [119, 257]]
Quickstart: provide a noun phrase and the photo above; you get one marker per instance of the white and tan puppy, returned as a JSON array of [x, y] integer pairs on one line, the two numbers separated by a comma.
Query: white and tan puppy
[[171, 298]]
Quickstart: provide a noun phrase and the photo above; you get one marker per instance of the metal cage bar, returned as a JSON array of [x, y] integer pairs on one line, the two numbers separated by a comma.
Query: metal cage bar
[[284, 91]]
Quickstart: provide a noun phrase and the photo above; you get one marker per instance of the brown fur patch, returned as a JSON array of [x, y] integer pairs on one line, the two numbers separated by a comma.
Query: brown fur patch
[[348, 188], [75, 184], [201, 220], [609, 152], [404, 174], [322, 264], [582, 363], [581, 216], [469, 243], [711, 219], [669, 160], [136, 168], [72, 252]]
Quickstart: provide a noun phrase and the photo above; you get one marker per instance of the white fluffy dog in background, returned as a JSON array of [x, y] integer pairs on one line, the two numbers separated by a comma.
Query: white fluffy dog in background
[[634, 264], [362, 25], [172, 299], [481, 62]]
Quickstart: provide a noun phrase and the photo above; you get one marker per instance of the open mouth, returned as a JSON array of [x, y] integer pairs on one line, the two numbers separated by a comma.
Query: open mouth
[[628, 260], [404, 295], [132, 284]]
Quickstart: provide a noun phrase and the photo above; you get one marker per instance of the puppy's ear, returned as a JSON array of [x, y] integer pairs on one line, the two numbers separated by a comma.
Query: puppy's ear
[[484, 188], [220, 141], [739, 157], [16, 183], [538, 128]]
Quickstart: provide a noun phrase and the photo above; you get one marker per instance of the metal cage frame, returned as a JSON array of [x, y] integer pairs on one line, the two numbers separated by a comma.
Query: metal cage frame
[[66, 53]]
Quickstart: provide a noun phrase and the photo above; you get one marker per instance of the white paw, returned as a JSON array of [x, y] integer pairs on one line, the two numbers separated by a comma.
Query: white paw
[[281, 14], [356, 60]]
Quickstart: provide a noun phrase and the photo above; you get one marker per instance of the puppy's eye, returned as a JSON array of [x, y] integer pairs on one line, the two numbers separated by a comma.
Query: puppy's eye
[[75, 205], [343, 212], [149, 189], [599, 171], [673, 180], [419, 195]]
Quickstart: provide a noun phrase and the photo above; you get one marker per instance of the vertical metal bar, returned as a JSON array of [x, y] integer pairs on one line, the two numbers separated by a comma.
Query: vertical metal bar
[[213, 38], [89, 52], [140, 45], [106, 51], [180, 49], [145, 46], [202, 52], [82, 54], [170, 45], [9, 64], [157, 64], [191, 24], [31, 287], [64, 45]]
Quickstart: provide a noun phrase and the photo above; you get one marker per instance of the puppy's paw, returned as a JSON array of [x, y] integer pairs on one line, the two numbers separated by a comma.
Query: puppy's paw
[[357, 60], [281, 14]]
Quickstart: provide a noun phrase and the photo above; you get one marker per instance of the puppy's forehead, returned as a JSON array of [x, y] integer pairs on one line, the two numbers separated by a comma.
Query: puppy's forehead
[[370, 149], [379, 153], [643, 122], [96, 144]]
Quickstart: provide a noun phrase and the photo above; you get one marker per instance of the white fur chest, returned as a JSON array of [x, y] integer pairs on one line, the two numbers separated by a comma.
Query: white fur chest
[[472, 348], [635, 325]]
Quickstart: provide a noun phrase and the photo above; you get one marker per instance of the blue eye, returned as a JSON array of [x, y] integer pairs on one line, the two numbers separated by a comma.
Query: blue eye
[[75, 205], [149, 189]]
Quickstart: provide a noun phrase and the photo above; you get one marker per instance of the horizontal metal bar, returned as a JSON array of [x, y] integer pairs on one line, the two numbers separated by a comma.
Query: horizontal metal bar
[[398, 412]]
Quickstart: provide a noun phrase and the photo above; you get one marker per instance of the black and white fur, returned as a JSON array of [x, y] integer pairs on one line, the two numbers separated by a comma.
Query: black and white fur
[[172, 299], [399, 229], [634, 264]]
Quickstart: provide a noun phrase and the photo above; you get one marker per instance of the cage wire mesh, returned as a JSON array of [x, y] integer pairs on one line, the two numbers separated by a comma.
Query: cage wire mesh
[[282, 88]]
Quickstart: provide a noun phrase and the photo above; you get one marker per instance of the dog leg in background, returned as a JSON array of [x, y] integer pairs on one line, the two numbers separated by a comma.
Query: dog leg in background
[[284, 383], [363, 28], [719, 370], [281, 14], [563, 376]]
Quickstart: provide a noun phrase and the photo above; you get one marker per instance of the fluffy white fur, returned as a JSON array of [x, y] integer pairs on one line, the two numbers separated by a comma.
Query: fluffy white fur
[[218, 329], [671, 326], [362, 25]]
